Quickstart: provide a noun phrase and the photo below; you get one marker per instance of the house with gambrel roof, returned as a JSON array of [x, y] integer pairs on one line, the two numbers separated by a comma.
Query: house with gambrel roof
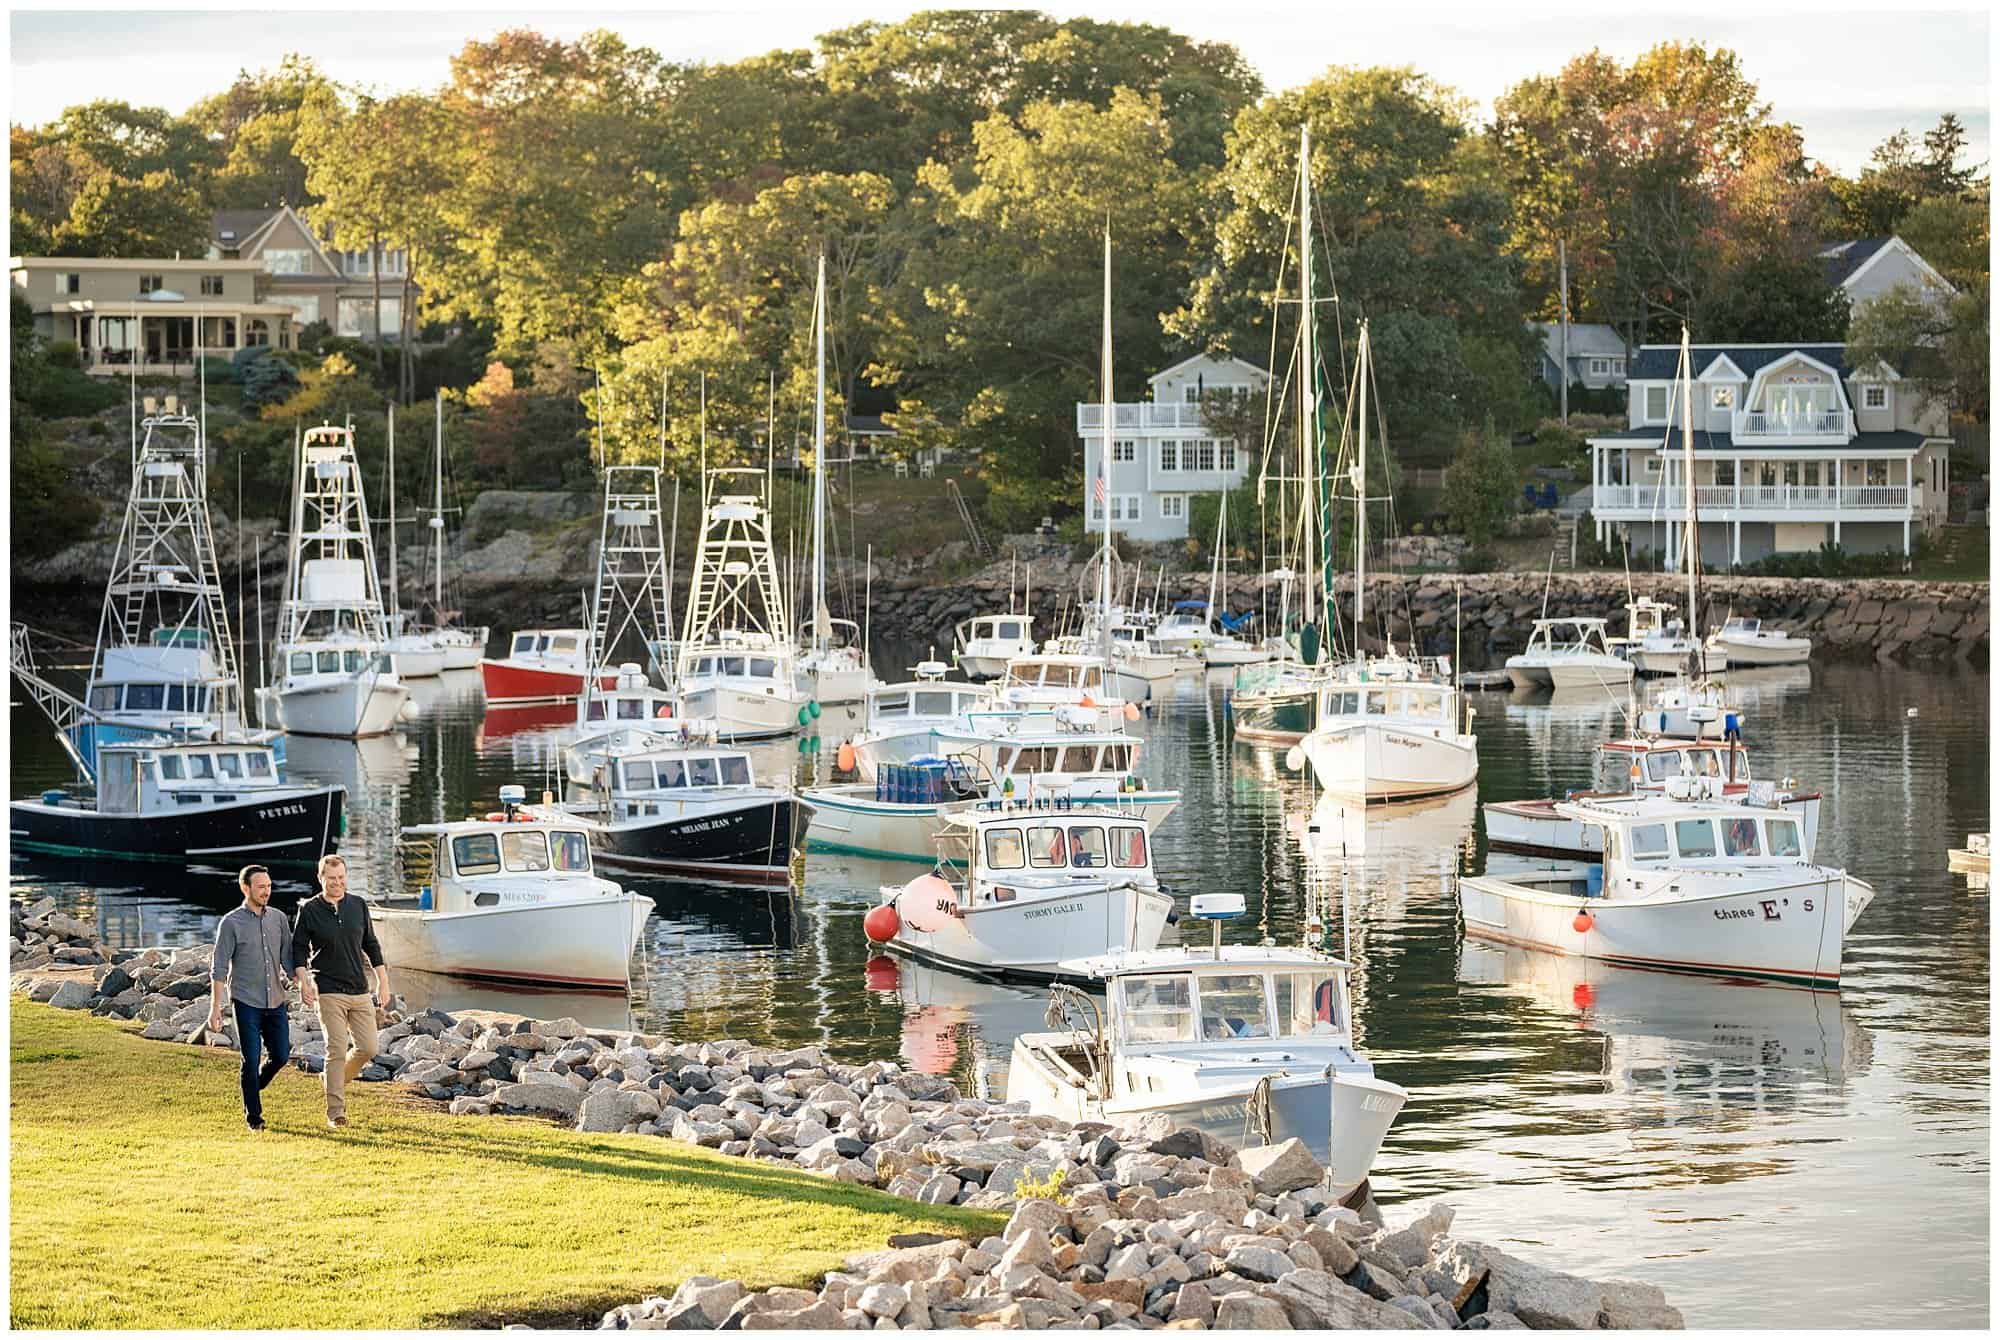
[[1793, 448], [304, 270]]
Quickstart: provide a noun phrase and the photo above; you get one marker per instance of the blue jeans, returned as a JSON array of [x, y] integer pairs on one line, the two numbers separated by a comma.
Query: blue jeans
[[259, 1031]]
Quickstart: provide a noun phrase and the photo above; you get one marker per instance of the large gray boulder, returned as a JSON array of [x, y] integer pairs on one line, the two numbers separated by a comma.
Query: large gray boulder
[[1276, 1169], [1544, 1299], [614, 1110], [558, 1100], [72, 995]]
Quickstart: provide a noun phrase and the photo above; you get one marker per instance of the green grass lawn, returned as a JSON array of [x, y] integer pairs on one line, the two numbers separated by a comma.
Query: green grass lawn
[[140, 1201], [1958, 554]]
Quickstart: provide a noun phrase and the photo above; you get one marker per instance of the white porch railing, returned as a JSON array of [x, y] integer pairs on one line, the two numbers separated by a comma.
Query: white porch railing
[[1836, 425], [1714, 500], [1144, 414]]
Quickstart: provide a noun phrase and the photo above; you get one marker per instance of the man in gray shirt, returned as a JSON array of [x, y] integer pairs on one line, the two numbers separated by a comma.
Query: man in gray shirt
[[253, 947]]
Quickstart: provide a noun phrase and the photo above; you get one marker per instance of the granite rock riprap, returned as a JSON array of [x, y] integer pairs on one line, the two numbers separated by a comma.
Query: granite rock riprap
[[1154, 1226]]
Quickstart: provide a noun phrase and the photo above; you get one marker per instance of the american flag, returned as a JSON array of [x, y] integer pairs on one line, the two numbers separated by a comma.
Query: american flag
[[1097, 488]]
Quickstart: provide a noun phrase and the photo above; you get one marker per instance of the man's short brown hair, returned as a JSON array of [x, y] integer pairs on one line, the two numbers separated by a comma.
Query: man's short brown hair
[[331, 858], [248, 873]]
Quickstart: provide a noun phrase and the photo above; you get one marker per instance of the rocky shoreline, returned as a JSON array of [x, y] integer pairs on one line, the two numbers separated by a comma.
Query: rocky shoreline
[[1139, 1227]]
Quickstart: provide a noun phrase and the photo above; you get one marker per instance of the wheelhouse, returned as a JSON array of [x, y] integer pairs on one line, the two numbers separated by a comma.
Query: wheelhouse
[[1230, 1001], [896, 706], [1559, 637], [148, 776], [1036, 845], [559, 644], [996, 628], [1413, 703], [1630, 765], [1038, 672]]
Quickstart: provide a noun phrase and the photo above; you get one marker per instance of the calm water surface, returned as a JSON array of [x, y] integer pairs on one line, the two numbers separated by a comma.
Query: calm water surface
[[1771, 1158]]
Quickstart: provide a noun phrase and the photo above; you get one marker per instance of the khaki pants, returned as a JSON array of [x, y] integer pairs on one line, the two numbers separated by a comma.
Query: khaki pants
[[345, 1017]]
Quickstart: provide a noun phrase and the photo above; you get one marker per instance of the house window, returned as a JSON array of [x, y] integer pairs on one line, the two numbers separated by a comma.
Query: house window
[[1170, 456], [1125, 507], [1124, 451], [152, 283], [256, 333], [1191, 395], [1878, 474], [1722, 397], [1656, 404], [1618, 367], [1600, 367], [1229, 454], [1725, 472], [1173, 506], [211, 286], [1204, 454], [69, 283], [1652, 465], [1874, 397], [286, 262]]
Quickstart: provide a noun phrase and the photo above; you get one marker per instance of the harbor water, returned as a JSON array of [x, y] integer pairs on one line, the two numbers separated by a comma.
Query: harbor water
[[1769, 1157]]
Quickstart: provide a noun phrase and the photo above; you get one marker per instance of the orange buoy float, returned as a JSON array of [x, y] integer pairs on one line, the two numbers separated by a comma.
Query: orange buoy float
[[1583, 923], [1131, 711], [880, 973], [881, 924], [496, 816], [845, 758], [1087, 701]]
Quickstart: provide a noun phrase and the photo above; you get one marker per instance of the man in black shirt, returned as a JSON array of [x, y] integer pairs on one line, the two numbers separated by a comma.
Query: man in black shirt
[[334, 953]]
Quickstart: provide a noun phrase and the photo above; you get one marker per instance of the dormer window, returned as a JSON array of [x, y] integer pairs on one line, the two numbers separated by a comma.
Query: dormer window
[[1656, 404], [1722, 397], [1874, 397]]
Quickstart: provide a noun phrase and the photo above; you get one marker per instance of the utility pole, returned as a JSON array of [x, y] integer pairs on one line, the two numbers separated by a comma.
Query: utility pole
[[1562, 264]]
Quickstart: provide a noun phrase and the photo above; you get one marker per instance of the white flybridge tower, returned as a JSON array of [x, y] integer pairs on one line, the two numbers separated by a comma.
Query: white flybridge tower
[[330, 674], [830, 668], [736, 658], [631, 596]]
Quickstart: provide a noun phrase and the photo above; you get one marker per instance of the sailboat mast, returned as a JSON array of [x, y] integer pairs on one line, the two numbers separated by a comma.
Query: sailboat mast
[[1693, 541], [395, 602], [437, 516], [1308, 458], [1361, 376], [819, 639], [1104, 467]]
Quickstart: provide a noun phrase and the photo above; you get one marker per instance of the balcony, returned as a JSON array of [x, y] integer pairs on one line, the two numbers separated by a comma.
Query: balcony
[[1143, 415], [1824, 426], [1720, 502]]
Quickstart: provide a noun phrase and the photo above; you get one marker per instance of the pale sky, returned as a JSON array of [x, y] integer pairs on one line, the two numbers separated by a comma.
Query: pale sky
[[1847, 74]]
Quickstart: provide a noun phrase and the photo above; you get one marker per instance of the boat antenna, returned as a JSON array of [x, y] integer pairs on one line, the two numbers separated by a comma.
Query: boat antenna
[[673, 663], [663, 419], [867, 604], [598, 374], [1548, 582]]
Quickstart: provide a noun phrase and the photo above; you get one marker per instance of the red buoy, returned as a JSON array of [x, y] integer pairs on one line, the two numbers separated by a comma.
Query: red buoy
[[1584, 921], [881, 924], [879, 973]]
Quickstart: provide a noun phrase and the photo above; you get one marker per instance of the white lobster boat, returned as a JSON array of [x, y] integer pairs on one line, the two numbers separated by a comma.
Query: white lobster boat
[[1059, 679], [1568, 654], [1657, 641], [1689, 882], [905, 720], [1032, 888], [987, 643], [1254, 1045], [1747, 642], [512, 898], [1391, 732]]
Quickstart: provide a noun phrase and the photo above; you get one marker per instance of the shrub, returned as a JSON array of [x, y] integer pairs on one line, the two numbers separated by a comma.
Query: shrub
[[1048, 1188], [219, 369], [267, 381], [63, 354], [1478, 560]]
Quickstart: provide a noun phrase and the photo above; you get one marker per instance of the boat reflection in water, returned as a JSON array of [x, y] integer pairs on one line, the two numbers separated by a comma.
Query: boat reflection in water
[[1410, 840], [955, 1025], [1690, 1051]]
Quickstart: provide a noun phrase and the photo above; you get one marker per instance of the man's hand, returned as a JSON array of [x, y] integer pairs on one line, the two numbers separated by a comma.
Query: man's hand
[[214, 1020], [309, 995], [382, 993]]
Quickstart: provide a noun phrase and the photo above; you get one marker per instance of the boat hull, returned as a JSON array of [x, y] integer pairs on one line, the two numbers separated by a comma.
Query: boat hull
[[985, 667], [747, 843], [294, 827], [585, 942], [1790, 932], [849, 819], [1672, 661], [741, 714], [1382, 763], [1281, 719], [347, 708], [1241, 654], [1028, 939], [834, 685], [415, 658], [1589, 672], [513, 682], [1763, 651]]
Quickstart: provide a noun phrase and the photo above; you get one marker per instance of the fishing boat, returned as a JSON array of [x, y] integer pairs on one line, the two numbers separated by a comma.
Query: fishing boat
[[1252, 1044], [510, 898], [1019, 889], [831, 666], [633, 711], [1974, 858], [670, 802], [1055, 760], [736, 660], [1688, 881], [629, 615], [987, 643], [1657, 641], [904, 720], [1049, 680], [1183, 629], [330, 672], [184, 798], [1275, 704], [542, 665], [1568, 654], [1138, 667], [1748, 643]]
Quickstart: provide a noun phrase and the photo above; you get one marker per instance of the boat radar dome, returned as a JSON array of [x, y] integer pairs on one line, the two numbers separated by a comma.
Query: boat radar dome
[[513, 795], [1215, 908]]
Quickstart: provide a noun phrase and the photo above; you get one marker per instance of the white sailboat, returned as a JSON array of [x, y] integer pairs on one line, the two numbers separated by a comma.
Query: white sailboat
[[462, 646], [830, 667], [330, 673], [413, 653]]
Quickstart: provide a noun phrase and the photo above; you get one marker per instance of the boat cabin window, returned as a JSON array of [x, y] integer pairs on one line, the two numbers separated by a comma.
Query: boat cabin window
[[638, 776], [1739, 838], [329, 663], [1117, 758], [1377, 703], [1128, 847], [1308, 1003], [257, 764], [1155, 1008], [525, 849], [1007, 630], [200, 768], [1033, 760], [1079, 758], [229, 765], [524, 644], [704, 666], [1423, 706], [892, 705], [571, 851], [1694, 837], [1739, 765], [1093, 677], [145, 697], [732, 665], [1341, 704], [1649, 842], [1003, 849], [1703, 763], [354, 662], [1059, 676], [104, 697], [1784, 835], [934, 704], [170, 768], [1663, 765], [476, 853], [631, 709], [176, 698], [1046, 849], [594, 711], [701, 772], [763, 667], [736, 771], [1086, 847], [302, 662], [1232, 1006], [562, 644], [672, 773]]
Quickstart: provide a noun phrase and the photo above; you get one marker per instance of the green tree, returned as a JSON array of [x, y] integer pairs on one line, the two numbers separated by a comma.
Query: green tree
[[1938, 345], [1899, 174], [156, 215], [255, 123], [1480, 485], [1770, 299], [1954, 234], [45, 508]]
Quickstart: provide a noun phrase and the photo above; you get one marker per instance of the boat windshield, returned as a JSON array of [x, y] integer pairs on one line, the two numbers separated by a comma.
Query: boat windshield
[[1233, 1006], [524, 849], [571, 851], [1784, 835], [1155, 1008], [1309, 1003]]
